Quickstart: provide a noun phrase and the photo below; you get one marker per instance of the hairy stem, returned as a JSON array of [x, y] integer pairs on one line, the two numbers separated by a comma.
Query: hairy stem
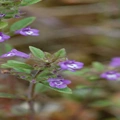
[[31, 95], [31, 101]]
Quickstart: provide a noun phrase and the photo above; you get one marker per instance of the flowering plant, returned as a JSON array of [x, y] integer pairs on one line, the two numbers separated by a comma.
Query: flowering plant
[[44, 71], [37, 67], [45, 68]]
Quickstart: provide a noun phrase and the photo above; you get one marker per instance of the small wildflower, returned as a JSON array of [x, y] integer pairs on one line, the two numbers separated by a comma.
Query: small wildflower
[[28, 31], [3, 37], [15, 52], [17, 16], [115, 62], [71, 65], [33, 81], [58, 82], [110, 75], [22, 77], [2, 15]]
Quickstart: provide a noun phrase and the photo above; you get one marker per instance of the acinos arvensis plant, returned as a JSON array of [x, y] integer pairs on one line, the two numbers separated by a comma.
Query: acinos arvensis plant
[[44, 68], [38, 67]]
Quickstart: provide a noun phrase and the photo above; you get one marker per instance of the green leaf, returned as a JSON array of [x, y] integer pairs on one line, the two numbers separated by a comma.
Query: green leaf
[[6, 95], [79, 72], [3, 24], [28, 71], [18, 64], [37, 52], [8, 47], [5, 65], [64, 90], [40, 88], [44, 74], [48, 55], [18, 69], [92, 77], [29, 2], [98, 66], [60, 54], [21, 24], [8, 16]]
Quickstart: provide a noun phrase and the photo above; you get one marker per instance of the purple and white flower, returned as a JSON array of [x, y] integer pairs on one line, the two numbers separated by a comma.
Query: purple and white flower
[[28, 31], [58, 82], [110, 75], [71, 65], [115, 62], [15, 52], [3, 37], [2, 15]]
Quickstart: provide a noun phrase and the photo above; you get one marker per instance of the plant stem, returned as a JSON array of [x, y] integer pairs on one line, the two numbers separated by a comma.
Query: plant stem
[[31, 101], [31, 95]]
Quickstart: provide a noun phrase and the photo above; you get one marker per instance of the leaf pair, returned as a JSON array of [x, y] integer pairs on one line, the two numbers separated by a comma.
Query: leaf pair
[[18, 66], [42, 55]]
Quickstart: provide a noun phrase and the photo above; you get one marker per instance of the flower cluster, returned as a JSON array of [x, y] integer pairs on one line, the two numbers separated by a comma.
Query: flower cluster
[[65, 65], [55, 82], [15, 52], [110, 75]]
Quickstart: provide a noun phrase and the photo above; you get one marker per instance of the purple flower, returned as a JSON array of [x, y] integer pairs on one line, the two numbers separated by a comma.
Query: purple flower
[[3, 37], [71, 65], [58, 82], [28, 31], [115, 62], [15, 52], [2, 15], [33, 81], [17, 16], [110, 75]]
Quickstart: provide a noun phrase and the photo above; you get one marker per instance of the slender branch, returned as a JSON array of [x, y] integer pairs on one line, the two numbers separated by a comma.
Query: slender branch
[[31, 90], [30, 100], [31, 96]]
